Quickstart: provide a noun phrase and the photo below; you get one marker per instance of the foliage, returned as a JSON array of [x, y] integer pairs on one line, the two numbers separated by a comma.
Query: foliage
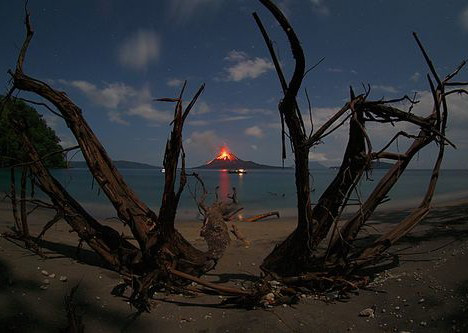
[[43, 137]]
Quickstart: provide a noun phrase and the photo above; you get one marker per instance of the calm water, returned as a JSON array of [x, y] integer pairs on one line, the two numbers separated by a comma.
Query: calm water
[[258, 191]]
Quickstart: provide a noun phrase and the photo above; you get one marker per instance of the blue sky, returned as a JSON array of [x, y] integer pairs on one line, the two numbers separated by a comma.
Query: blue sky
[[113, 59]]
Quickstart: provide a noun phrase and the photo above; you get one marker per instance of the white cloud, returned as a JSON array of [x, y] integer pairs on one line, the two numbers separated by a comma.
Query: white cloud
[[51, 120], [319, 7], [320, 157], [148, 112], [174, 82], [384, 88], [112, 95], [254, 131], [139, 50], [254, 147], [116, 117], [464, 19], [202, 108], [122, 100], [183, 10], [198, 122], [244, 67], [250, 111], [415, 77], [234, 118], [206, 142]]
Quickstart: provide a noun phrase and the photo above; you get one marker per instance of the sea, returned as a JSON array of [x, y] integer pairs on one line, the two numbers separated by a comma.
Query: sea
[[258, 191]]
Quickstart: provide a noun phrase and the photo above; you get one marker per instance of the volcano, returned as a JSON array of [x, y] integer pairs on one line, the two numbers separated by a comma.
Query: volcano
[[227, 160]]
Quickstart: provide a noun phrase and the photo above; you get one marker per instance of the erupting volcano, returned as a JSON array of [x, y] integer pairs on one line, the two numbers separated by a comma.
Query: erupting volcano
[[227, 160], [225, 155]]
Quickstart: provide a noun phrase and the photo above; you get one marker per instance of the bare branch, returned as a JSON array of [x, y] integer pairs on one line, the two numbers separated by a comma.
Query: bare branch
[[428, 60]]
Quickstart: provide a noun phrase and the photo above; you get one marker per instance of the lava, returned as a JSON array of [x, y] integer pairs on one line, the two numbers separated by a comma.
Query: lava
[[226, 155]]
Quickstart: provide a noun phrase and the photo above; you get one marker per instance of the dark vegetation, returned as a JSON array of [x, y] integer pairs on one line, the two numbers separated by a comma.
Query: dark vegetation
[[43, 137], [321, 254]]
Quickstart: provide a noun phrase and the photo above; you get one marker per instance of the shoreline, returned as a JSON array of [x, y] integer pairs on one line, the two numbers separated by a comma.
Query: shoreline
[[433, 269]]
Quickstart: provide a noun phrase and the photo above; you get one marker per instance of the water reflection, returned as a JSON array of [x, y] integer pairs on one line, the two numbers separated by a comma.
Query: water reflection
[[224, 185]]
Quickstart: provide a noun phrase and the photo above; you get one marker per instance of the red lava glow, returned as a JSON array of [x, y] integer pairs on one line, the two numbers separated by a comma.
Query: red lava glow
[[226, 155]]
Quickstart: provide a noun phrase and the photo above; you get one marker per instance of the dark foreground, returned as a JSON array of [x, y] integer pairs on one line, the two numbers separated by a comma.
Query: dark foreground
[[426, 292]]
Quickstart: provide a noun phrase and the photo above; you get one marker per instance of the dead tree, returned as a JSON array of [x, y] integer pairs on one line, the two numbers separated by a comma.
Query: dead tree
[[161, 252], [299, 253], [161, 255]]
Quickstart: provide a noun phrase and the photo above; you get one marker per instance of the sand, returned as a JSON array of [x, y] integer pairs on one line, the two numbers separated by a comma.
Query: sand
[[426, 292]]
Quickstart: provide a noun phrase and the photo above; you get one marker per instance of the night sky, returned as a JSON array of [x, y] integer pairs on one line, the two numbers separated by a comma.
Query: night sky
[[113, 58]]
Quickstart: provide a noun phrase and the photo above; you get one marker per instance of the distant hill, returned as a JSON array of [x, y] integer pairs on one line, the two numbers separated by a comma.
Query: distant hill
[[227, 160], [374, 165], [381, 165], [316, 166], [118, 164], [313, 165]]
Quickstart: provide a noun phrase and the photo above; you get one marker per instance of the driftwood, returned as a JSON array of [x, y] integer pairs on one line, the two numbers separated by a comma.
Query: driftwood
[[300, 252], [161, 255], [238, 234], [261, 216]]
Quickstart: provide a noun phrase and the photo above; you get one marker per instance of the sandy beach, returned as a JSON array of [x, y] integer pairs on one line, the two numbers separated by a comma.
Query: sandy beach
[[426, 292]]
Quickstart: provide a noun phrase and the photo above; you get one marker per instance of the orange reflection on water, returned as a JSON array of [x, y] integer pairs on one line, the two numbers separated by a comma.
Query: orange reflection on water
[[224, 185]]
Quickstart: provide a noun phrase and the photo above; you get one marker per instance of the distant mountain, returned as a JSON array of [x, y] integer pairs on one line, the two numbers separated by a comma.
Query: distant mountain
[[118, 164], [316, 166], [227, 160], [374, 165], [381, 165], [313, 165]]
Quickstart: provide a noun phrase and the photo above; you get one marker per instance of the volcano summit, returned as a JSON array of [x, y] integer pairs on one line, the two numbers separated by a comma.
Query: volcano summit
[[227, 160]]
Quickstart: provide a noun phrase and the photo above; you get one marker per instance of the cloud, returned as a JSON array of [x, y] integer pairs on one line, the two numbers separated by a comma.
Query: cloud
[[139, 50], [254, 147], [148, 112], [254, 131], [320, 157], [464, 19], [319, 7], [183, 10], [335, 70], [116, 117], [206, 142], [387, 89], [174, 82], [198, 122], [202, 108], [122, 100], [415, 77], [243, 67], [251, 111], [112, 95], [234, 118]]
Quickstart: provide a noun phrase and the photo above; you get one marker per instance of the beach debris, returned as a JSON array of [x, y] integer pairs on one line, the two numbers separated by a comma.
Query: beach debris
[[261, 216], [44, 286], [52, 276], [422, 300], [274, 283], [45, 273], [368, 312], [268, 300], [46, 281], [423, 323], [63, 278], [239, 236]]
